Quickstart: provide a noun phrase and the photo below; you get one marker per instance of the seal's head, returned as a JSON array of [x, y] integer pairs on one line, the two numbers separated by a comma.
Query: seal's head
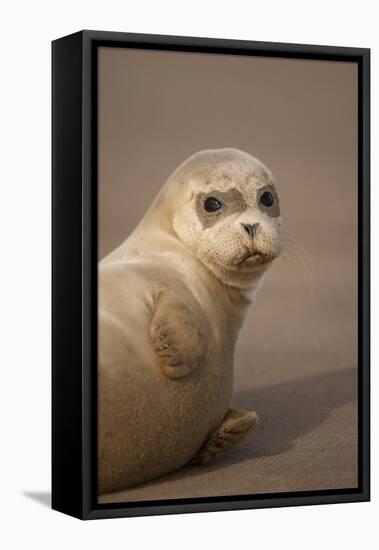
[[225, 209]]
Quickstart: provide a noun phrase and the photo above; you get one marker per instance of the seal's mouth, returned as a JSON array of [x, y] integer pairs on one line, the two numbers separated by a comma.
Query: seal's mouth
[[254, 257]]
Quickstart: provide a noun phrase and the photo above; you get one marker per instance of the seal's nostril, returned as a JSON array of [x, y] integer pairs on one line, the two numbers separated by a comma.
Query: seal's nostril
[[251, 229]]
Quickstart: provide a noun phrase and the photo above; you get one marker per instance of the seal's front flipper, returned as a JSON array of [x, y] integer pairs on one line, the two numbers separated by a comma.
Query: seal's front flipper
[[235, 425], [176, 335]]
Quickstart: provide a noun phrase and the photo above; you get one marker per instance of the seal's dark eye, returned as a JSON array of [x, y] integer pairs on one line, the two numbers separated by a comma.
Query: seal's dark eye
[[267, 199], [211, 204]]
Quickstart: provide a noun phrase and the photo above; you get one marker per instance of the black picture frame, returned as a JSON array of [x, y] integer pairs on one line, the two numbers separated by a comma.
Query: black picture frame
[[74, 272]]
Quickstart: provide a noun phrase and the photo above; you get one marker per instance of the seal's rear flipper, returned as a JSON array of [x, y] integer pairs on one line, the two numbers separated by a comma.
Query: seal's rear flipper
[[235, 425]]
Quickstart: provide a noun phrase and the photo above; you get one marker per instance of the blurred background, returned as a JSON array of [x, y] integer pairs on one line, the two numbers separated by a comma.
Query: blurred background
[[296, 362]]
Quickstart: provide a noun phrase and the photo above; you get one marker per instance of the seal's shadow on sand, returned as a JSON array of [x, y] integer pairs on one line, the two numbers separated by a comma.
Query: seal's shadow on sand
[[286, 411], [290, 410]]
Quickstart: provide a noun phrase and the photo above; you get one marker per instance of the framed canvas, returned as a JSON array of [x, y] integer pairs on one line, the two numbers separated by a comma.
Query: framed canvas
[[210, 268]]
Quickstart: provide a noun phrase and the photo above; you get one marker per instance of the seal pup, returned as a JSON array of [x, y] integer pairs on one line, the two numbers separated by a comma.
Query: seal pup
[[172, 299]]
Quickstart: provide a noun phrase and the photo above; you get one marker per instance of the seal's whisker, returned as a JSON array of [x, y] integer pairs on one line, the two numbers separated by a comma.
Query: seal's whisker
[[306, 259], [293, 254], [286, 261], [290, 242]]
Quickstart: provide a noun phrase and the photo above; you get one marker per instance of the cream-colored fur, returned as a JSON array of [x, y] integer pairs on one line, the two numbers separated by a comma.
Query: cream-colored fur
[[172, 299]]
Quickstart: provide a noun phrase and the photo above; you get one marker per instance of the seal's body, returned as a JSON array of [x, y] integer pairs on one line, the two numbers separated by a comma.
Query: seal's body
[[172, 299]]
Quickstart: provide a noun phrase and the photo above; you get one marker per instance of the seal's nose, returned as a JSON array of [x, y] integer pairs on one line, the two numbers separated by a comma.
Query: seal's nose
[[251, 229]]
